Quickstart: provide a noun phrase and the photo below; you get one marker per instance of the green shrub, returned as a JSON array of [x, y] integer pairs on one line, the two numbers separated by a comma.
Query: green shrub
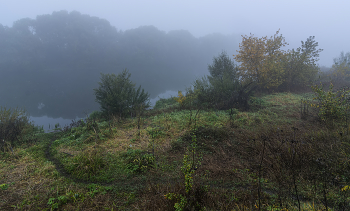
[[97, 115], [222, 89], [118, 96], [332, 106], [165, 103], [14, 126]]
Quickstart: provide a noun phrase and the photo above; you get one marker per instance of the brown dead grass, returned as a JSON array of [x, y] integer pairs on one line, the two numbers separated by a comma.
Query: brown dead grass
[[26, 180]]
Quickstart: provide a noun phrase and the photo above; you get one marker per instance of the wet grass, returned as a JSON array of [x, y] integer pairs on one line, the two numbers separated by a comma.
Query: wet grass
[[268, 157]]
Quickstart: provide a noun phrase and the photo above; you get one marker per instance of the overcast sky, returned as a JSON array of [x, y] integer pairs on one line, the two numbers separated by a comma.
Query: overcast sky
[[327, 20]]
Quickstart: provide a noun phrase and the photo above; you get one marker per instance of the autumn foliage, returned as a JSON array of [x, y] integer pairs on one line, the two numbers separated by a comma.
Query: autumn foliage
[[264, 62], [261, 59], [180, 98]]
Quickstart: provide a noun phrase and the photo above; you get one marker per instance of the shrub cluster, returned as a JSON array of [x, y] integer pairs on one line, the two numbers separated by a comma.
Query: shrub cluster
[[220, 90], [118, 96], [331, 106], [14, 125]]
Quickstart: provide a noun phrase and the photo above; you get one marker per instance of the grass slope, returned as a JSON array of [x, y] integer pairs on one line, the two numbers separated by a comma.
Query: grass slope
[[268, 157]]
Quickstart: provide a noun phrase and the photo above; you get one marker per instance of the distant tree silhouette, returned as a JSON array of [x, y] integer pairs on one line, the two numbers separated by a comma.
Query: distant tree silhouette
[[57, 58]]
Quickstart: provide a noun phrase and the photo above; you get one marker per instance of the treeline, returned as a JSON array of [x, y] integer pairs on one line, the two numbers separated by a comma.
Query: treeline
[[339, 73], [51, 64], [264, 66]]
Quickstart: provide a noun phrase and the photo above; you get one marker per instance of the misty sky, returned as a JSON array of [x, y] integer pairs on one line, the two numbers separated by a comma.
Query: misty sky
[[297, 19]]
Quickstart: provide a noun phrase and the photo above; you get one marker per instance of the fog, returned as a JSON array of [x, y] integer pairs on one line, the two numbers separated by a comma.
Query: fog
[[297, 19], [52, 53]]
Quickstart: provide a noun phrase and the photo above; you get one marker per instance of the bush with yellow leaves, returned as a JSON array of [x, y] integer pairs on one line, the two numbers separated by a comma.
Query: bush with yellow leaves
[[180, 99], [332, 106]]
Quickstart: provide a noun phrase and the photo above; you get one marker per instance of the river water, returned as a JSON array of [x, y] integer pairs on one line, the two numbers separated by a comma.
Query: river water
[[48, 123]]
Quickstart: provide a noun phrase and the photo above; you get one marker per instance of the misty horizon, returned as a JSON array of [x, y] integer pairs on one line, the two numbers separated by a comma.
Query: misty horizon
[[174, 105], [165, 46], [51, 64], [296, 20]]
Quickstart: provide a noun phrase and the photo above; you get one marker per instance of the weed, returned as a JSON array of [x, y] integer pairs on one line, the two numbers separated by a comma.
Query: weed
[[88, 164], [4, 186], [138, 161], [191, 162], [332, 106]]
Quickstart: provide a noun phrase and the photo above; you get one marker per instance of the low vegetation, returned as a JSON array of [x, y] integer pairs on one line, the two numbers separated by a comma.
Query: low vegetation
[[276, 156], [220, 146]]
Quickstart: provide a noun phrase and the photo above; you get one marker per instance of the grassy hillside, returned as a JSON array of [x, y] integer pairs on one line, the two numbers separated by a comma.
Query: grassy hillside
[[276, 156]]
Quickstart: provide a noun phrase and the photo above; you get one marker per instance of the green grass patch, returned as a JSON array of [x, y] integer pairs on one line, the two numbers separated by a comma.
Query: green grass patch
[[267, 153]]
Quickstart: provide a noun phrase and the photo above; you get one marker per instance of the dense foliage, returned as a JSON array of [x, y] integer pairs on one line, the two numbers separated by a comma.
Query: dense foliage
[[332, 106], [300, 66], [117, 95], [260, 60], [341, 66], [222, 89], [14, 125], [265, 63], [164, 103]]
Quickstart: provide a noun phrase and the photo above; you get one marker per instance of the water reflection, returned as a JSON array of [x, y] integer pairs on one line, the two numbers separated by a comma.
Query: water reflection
[[49, 123]]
